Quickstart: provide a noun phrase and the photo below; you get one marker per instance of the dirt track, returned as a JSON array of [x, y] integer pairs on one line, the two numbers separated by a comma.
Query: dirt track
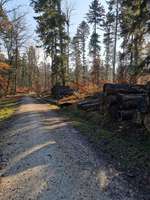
[[45, 158]]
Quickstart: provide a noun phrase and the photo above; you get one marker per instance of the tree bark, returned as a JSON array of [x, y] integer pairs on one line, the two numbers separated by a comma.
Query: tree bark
[[115, 41]]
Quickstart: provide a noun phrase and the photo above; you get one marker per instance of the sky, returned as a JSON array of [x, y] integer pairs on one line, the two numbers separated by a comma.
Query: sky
[[80, 9]]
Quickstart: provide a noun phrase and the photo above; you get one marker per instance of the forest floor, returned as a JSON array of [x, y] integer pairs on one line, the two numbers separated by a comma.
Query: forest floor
[[44, 157], [125, 145]]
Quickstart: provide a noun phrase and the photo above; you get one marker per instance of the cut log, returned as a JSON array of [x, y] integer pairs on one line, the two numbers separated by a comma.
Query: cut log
[[110, 100], [114, 111], [91, 101], [66, 101], [90, 107], [127, 114], [133, 101], [115, 88], [131, 104], [130, 97], [122, 88], [92, 104], [147, 122], [139, 88], [61, 91]]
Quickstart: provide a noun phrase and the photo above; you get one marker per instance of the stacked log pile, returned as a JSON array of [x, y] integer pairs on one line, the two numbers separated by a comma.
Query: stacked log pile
[[69, 100], [59, 92], [92, 103], [126, 102], [121, 101]]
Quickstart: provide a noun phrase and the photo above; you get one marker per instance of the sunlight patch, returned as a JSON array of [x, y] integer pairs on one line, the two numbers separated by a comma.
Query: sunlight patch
[[102, 179], [29, 182], [53, 107], [33, 108], [27, 153]]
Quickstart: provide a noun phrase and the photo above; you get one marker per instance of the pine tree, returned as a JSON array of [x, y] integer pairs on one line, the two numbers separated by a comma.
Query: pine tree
[[108, 41], [51, 29], [114, 6], [115, 37], [83, 33], [76, 57], [95, 16], [68, 10], [23, 79], [134, 30], [32, 61], [95, 48]]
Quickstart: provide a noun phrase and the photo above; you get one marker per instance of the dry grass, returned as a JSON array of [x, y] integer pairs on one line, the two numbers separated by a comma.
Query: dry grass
[[7, 108]]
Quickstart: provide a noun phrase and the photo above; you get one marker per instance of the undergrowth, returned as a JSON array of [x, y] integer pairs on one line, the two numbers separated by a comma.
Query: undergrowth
[[129, 149], [7, 108]]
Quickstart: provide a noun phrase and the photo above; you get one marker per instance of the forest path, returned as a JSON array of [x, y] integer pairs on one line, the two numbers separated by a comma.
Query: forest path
[[48, 160]]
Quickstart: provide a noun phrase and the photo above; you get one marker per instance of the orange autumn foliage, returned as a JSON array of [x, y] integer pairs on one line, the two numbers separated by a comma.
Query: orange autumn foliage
[[22, 90], [5, 25], [4, 66], [3, 82], [88, 87]]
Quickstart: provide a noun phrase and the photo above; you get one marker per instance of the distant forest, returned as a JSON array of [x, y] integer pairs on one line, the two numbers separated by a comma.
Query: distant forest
[[76, 60]]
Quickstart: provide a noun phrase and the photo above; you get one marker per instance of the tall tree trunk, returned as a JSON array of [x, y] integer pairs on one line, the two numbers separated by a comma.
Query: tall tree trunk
[[84, 62], [115, 41], [63, 68], [68, 49], [16, 68]]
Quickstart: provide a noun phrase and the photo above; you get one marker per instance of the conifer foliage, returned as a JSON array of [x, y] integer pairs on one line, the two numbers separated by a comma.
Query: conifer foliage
[[51, 30], [110, 44], [95, 17]]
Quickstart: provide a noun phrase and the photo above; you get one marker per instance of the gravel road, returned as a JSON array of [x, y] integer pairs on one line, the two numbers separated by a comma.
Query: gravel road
[[44, 158]]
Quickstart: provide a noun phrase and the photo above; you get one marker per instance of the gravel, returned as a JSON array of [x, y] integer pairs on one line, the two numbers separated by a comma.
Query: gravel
[[45, 158]]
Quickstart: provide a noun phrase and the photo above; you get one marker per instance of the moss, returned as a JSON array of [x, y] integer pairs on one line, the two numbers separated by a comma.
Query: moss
[[6, 113], [7, 108]]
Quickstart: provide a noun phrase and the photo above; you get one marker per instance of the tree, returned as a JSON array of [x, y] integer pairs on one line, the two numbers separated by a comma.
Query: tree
[[12, 34], [32, 60], [22, 78], [68, 10], [116, 3], [18, 39], [5, 69], [134, 29], [6, 37], [108, 41], [83, 33], [76, 55], [95, 16], [51, 30], [95, 48]]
